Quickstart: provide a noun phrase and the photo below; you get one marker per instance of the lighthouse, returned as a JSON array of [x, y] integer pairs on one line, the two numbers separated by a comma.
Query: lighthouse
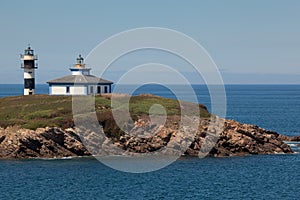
[[79, 82], [29, 65]]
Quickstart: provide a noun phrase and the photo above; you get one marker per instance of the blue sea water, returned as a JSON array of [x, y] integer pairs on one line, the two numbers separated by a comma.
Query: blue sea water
[[274, 107]]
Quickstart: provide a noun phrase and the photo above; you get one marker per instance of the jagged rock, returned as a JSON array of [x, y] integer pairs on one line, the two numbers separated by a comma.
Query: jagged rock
[[235, 139], [44, 142]]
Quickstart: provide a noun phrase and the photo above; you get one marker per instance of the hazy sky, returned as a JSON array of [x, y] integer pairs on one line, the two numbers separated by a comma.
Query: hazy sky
[[251, 41]]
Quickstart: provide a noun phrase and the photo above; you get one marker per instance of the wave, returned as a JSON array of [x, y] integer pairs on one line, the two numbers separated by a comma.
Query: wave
[[61, 158]]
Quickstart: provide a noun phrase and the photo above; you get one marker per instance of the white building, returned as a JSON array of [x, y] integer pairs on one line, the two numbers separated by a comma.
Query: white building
[[80, 82]]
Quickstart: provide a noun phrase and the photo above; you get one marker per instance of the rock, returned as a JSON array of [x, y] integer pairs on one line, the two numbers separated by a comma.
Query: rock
[[54, 134], [44, 142], [235, 139], [2, 138]]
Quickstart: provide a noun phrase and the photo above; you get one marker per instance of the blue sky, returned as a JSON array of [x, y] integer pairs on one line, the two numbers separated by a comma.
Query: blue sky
[[252, 42]]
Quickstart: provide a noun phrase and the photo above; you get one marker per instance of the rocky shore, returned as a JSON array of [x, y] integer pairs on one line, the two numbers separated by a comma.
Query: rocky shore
[[236, 139]]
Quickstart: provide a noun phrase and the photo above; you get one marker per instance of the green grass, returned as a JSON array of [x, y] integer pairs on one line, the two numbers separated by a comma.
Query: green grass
[[43, 110], [35, 111]]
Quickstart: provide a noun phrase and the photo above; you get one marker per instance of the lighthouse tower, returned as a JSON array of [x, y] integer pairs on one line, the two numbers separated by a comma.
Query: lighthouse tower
[[29, 67], [79, 68]]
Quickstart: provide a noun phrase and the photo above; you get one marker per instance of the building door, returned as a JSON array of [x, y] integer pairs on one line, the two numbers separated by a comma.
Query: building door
[[68, 89], [105, 89], [99, 89]]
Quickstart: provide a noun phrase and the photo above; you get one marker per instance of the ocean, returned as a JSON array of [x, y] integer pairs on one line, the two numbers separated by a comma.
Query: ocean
[[274, 107]]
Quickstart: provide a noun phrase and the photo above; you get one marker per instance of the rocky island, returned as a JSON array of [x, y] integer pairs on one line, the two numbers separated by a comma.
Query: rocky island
[[42, 126]]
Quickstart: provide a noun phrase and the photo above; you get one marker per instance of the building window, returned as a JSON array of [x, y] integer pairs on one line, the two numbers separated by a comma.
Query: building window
[[91, 89], [68, 89], [29, 83], [99, 89], [105, 89]]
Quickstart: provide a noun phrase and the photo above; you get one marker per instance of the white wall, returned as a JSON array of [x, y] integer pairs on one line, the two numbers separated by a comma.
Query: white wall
[[76, 90], [57, 90], [62, 90], [28, 73], [27, 91]]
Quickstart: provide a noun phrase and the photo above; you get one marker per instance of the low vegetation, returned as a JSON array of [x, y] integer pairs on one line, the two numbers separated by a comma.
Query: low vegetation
[[43, 110]]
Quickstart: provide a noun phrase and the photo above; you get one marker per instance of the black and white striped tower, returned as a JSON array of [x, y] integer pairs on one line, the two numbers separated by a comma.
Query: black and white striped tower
[[29, 65]]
